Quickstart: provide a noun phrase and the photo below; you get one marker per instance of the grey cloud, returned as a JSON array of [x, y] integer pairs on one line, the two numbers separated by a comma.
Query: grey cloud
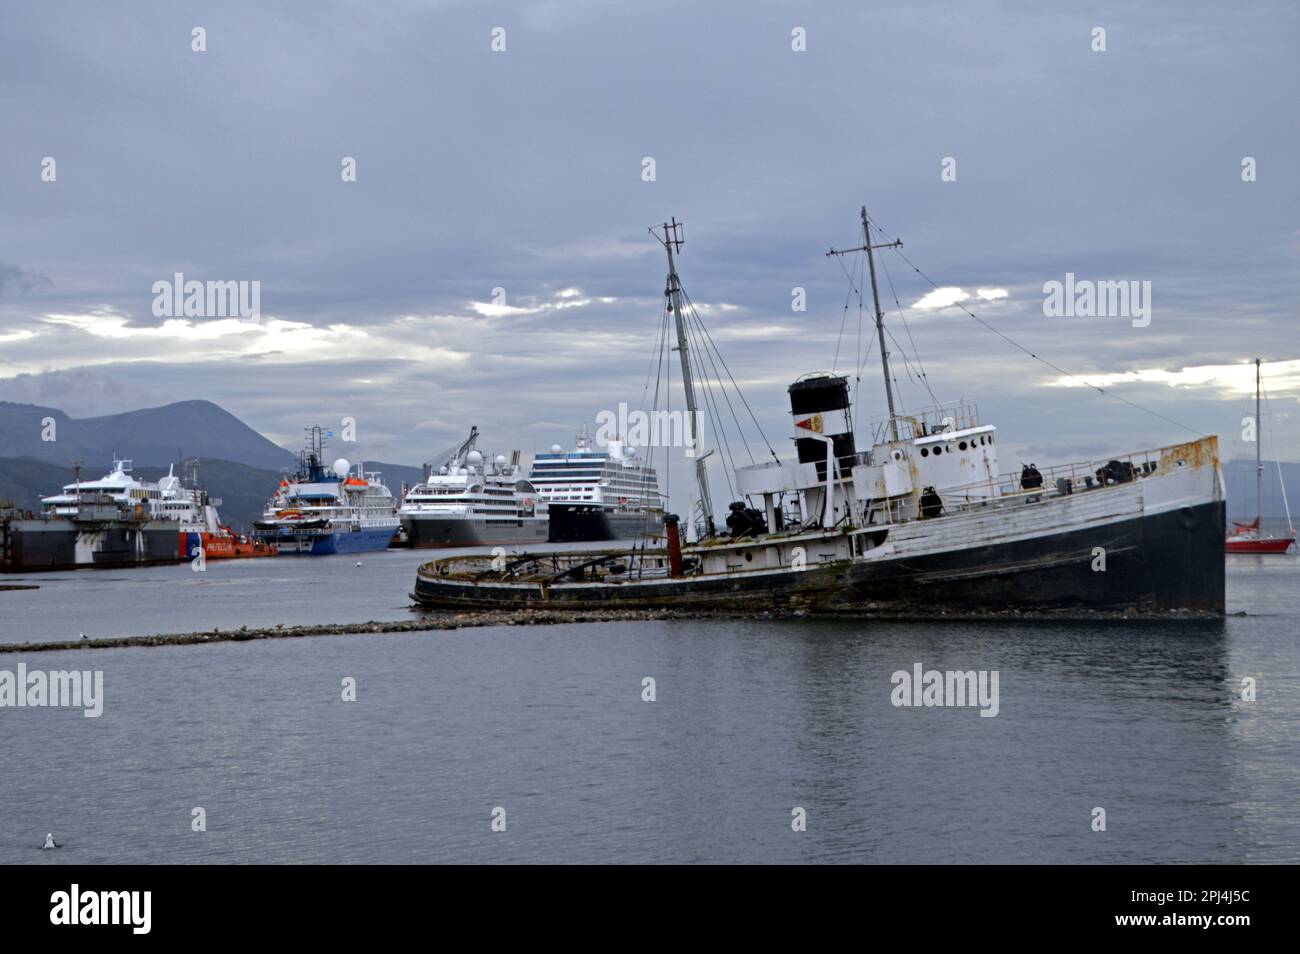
[[15, 280], [521, 170]]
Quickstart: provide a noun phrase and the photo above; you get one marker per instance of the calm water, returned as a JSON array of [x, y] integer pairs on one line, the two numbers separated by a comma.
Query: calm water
[[751, 719]]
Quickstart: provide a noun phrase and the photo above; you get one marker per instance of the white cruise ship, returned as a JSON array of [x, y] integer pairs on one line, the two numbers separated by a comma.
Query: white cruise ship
[[598, 494], [470, 501], [166, 499]]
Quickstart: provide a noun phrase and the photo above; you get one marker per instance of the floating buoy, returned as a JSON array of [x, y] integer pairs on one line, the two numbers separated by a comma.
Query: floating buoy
[[49, 841], [358, 563]]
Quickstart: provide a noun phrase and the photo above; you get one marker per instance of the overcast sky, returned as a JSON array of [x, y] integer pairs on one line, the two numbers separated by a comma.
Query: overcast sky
[[522, 170]]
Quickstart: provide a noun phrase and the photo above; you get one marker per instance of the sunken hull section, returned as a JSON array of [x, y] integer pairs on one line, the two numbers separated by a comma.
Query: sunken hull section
[[1152, 546], [591, 523], [1155, 565], [37, 544], [429, 532]]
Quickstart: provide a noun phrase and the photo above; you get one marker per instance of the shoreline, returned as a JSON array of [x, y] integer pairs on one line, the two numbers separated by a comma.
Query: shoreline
[[477, 619]]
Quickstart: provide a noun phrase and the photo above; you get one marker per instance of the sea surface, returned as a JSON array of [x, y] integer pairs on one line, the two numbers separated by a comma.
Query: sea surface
[[750, 721]]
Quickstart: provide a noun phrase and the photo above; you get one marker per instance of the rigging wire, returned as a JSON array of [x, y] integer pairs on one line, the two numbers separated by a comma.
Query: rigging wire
[[708, 353], [710, 399], [665, 375], [730, 377], [848, 296], [925, 378], [1277, 460], [1019, 347]]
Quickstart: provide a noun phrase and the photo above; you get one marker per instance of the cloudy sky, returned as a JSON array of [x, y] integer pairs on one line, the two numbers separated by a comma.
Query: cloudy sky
[[522, 170]]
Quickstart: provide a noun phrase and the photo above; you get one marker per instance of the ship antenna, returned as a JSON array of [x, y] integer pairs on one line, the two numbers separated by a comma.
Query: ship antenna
[[867, 247], [672, 237]]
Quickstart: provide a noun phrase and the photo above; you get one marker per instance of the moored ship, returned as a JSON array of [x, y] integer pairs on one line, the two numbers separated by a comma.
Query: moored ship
[[470, 501], [320, 511], [596, 494], [116, 521], [202, 532], [923, 524]]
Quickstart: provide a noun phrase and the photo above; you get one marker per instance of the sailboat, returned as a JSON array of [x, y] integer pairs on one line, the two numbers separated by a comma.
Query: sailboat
[[924, 524], [1249, 537]]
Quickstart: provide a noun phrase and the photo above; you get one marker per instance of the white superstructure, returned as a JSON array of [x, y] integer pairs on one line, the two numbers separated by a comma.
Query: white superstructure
[[614, 475], [473, 500]]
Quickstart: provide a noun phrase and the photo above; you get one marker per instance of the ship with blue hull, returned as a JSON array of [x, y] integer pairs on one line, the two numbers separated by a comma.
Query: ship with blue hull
[[320, 511], [301, 543]]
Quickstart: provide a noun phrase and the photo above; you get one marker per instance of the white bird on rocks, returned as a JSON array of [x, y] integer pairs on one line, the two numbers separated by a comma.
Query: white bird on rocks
[[49, 841]]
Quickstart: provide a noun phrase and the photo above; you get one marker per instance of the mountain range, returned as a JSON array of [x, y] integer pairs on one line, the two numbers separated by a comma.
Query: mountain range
[[155, 435]]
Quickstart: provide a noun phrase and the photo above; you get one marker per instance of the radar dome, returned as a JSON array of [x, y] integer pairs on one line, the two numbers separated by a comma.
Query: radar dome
[[474, 458], [556, 448], [500, 460], [341, 467]]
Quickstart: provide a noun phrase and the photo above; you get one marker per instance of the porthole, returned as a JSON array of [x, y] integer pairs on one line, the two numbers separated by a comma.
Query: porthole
[[749, 558], [938, 450], [961, 446], [925, 452]]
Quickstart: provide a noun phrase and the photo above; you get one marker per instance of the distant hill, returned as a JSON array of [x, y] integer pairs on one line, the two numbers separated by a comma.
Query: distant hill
[[156, 435], [25, 481]]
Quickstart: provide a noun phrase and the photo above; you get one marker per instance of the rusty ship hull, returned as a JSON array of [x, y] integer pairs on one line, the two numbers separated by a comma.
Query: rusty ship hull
[[1152, 546], [1173, 562]]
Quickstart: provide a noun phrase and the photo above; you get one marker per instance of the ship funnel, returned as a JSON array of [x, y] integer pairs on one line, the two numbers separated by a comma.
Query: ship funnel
[[819, 404]]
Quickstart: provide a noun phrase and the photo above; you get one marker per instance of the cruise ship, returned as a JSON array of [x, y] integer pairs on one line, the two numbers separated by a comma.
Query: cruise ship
[[470, 501], [120, 520], [598, 494], [320, 511]]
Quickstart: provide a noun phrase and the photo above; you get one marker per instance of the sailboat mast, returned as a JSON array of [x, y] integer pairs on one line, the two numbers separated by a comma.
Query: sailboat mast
[[1259, 462], [880, 325], [671, 237]]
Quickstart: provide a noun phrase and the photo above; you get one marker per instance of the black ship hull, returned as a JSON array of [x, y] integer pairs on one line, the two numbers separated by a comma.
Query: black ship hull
[[35, 544], [592, 523], [440, 532], [1171, 562]]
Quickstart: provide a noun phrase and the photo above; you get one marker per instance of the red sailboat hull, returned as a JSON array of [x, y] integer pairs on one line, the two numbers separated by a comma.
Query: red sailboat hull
[[1269, 545], [1245, 538]]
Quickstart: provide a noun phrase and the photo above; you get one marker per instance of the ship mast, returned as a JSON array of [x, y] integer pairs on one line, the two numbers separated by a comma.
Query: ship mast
[[1259, 462], [672, 236], [867, 247]]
